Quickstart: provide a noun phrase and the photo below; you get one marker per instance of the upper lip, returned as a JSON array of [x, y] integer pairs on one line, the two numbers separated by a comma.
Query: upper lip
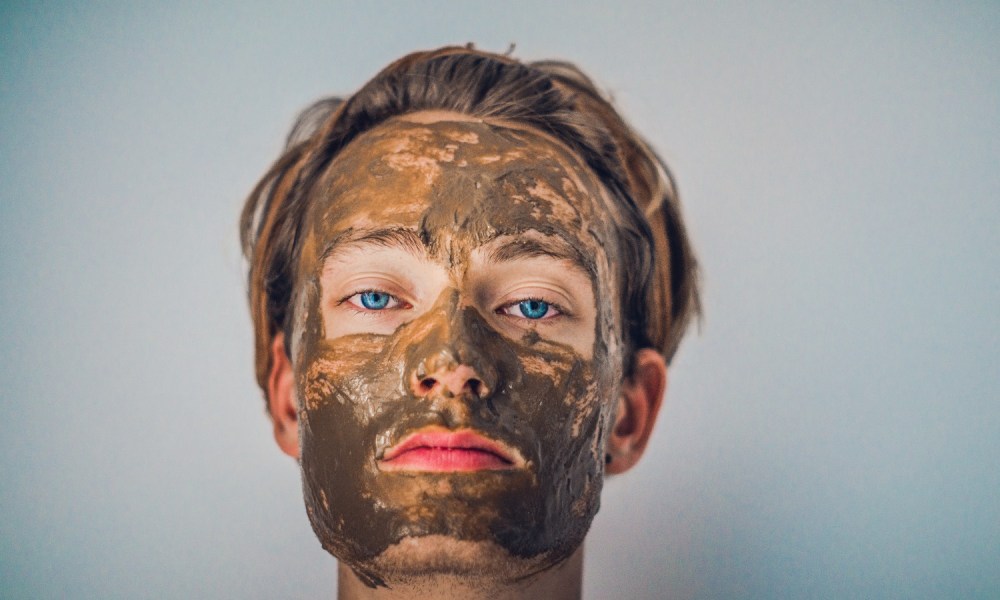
[[469, 439]]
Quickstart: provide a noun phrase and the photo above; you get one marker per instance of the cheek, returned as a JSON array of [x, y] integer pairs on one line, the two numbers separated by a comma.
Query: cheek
[[351, 393], [334, 416], [340, 372], [568, 402], [339, 418]]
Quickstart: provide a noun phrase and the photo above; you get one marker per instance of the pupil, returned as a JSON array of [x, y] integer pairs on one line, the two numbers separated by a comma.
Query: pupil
[[534, 309], [374, 300]]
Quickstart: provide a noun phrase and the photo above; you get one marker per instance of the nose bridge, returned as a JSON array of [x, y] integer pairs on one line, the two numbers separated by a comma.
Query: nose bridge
[[450, 352]]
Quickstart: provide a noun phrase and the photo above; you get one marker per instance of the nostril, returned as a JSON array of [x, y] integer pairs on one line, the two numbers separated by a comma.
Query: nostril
[[426, 385], [460, 381]]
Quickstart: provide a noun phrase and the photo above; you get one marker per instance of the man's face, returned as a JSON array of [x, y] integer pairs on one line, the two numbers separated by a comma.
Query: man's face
[[456, 348]]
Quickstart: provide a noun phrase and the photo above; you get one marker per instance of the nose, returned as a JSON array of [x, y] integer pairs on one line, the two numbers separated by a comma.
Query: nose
[[448, 353], [450, 380]]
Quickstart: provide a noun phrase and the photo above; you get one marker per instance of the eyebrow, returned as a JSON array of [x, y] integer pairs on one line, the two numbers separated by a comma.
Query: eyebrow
[[386, 237], [531, 247], [515, 248]]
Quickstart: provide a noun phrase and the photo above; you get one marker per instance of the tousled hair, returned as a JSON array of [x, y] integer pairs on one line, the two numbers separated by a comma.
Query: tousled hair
[[658, 275]]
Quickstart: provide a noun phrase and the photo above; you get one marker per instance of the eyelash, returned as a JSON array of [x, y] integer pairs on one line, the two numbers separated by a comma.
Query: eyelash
[[359, 307]]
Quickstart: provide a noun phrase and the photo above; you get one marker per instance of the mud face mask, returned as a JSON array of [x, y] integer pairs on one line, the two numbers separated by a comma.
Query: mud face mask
[[455, 344]]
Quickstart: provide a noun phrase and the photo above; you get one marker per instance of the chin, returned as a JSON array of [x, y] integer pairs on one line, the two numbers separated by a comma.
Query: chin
[[434, 559]]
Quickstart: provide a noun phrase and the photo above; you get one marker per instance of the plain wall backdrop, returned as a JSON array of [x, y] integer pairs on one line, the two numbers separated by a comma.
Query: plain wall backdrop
[[833, 431]]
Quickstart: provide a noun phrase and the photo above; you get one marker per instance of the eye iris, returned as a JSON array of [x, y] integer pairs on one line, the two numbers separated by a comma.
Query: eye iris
[[533, 309], [374, 300]]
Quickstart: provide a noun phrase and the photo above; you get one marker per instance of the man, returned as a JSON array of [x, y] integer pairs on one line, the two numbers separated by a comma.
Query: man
[[466, 280]]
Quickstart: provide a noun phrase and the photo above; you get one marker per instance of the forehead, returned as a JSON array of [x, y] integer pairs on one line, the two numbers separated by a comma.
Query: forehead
[[459, 184]]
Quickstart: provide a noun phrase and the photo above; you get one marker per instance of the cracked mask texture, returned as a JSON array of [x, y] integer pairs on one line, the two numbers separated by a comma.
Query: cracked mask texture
[[459, 185]]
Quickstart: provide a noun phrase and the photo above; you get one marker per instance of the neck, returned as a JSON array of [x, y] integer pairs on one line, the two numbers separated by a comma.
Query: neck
[[562, 582]]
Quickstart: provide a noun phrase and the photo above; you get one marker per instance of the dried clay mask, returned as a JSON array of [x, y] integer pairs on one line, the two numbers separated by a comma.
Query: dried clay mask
[[456, 350]]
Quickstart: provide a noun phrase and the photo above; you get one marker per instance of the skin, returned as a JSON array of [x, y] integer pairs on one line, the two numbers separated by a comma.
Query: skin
[[458, 221]]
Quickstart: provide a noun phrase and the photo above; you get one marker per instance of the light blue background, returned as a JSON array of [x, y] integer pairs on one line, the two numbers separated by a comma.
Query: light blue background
[[833, 432]]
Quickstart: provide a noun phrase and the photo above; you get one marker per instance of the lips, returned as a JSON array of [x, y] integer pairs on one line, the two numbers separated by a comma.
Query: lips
[[442, 450]]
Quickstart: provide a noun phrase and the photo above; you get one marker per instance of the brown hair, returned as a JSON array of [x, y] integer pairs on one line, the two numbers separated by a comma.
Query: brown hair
[[659, 286]]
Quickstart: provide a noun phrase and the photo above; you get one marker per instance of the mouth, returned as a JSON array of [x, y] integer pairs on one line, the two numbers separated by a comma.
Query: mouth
[[441, 450]]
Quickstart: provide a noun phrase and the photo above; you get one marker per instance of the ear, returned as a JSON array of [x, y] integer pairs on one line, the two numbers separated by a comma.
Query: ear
[[281, 399], [637, 409]]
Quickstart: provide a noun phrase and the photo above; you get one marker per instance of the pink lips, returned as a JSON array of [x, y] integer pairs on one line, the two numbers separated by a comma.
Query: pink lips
[[442, 450]]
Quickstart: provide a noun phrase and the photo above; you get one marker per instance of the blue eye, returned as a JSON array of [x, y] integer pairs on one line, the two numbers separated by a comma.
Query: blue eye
[[533, 309], [374, 300]]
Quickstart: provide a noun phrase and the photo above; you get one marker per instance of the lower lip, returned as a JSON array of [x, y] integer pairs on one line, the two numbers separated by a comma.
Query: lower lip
[[445, 460]]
